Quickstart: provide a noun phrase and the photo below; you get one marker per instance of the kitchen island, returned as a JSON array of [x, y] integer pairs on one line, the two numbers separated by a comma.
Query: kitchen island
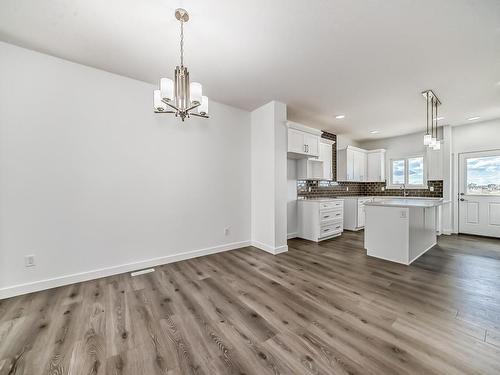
[[400, 229]]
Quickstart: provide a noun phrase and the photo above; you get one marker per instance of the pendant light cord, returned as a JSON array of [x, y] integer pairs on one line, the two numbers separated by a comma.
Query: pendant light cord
[[427, 112]]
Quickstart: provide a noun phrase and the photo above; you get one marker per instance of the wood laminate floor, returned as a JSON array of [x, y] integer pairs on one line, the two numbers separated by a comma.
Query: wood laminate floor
[[319, 309]]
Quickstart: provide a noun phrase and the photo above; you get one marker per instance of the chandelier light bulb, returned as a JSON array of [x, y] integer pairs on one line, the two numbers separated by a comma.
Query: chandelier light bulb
[[159, 106], [203, 108], [167, 89], [195, 91]]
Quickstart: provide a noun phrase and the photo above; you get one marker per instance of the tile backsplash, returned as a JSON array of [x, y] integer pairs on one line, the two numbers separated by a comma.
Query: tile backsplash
[[318, 189]]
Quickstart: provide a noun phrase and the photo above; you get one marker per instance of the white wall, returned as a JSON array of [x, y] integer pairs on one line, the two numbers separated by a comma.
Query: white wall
[[269, 181], [91, 178], [481, 136], [344, 140], [291, 198]]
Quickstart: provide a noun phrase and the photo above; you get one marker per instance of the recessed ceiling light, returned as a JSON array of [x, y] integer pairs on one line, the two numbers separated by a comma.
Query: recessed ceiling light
[[473, 118], [374, 131], [340, 117], [439, 118]]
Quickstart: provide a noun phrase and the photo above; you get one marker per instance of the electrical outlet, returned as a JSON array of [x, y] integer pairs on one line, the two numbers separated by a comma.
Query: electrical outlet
[[382, 188], [29, 261], [403, 214], [227, 230], [431, 188], [347, 188]]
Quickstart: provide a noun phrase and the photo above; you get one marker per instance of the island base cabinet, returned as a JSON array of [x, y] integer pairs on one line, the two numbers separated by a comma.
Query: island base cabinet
[[399, 234]]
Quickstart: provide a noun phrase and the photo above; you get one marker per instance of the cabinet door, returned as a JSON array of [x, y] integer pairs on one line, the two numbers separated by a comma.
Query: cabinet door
[[361, 215], [312, 143], [375, 166], [349, 165], [325, 155], [296, 141], [359, 165]]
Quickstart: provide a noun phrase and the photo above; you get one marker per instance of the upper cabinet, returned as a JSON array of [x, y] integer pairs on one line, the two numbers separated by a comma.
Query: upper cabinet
[[351, 164], [376, 165], [303, 142], [326, 156], [358, 165]]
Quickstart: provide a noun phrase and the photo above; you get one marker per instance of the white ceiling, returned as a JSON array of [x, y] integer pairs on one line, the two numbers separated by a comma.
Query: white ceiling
[[367, 59]]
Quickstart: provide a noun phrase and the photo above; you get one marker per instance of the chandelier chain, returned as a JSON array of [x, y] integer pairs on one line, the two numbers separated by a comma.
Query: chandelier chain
[[182, 43]]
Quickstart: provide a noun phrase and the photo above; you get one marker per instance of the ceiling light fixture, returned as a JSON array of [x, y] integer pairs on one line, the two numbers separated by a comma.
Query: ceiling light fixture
[[340, 117], [179, 96], [473, 118], [374, 131], [432, 102]]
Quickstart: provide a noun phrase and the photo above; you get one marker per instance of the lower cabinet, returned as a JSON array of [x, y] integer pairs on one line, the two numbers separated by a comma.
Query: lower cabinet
[[354, 216], [320, 219]]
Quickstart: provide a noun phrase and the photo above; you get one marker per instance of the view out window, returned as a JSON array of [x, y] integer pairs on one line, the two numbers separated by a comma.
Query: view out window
[[408, 171], [483, 175], [416, 171], [398, 172]]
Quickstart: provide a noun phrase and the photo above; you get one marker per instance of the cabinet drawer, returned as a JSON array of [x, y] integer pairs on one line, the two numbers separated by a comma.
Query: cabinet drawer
[[330, 205], [330, 230], [329, 215]]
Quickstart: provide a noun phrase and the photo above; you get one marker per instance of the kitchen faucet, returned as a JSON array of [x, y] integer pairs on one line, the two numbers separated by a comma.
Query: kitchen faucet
[[405, 193]]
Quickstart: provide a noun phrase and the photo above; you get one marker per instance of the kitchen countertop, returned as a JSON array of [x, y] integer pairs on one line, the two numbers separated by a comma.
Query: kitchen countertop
[[408, 202]]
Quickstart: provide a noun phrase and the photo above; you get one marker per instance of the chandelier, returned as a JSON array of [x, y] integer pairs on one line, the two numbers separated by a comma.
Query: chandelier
[[180, 97], [430, 139]]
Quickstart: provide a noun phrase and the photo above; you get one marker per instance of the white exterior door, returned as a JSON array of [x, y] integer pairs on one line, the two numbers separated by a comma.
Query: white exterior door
[[479, 194]]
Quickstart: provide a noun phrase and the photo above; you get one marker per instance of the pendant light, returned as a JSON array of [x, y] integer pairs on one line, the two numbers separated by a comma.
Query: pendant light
[[427, 136], [432, 101]]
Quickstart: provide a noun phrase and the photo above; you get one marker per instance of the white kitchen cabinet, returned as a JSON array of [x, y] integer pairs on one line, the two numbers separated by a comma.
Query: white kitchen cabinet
[[309, 169], [375, 165], [352, 164], [320, 219], [434, 161], [325, 155], [303, 142], [354, 212]]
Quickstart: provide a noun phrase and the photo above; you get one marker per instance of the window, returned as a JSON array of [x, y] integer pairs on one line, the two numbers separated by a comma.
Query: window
[[483, 175], [408, 171]]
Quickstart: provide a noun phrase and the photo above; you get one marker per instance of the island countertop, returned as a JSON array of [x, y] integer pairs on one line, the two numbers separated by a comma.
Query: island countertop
[[408, 202]]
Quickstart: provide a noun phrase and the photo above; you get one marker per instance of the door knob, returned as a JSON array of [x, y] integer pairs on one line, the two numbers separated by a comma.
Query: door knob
[[462, 199], [462, 193]]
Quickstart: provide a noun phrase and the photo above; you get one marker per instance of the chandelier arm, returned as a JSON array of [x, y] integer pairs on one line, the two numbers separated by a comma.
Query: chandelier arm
[[164, 111], [193, 107], [171, 105], [198, 115]]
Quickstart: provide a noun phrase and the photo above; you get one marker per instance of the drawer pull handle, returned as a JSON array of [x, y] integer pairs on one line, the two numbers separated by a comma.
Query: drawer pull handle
[[326, 217], [338, 214], [338, 227], [326, 230]]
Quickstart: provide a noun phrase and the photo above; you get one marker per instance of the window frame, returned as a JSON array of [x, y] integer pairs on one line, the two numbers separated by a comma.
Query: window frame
[[406, 158]]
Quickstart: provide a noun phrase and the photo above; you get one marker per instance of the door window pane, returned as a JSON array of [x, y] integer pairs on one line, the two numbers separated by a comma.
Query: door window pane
[[416, 171], [483, 175], [398, 172]]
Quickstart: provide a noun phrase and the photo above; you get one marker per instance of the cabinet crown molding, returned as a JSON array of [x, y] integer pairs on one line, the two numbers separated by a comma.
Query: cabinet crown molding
[[307, 129]]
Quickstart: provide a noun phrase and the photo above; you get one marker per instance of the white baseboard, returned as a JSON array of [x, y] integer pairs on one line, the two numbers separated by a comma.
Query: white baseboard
[[270, 249], [447, 231], [292, 235], [36, 286]]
